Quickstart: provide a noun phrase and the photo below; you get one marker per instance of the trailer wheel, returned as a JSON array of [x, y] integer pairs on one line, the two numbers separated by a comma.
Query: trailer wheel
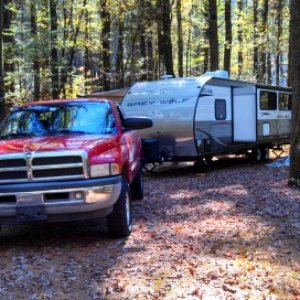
[[208, 159], [119, 222], [137, 186], [258, 154], [200, 165], [265, 153], [261, 153]]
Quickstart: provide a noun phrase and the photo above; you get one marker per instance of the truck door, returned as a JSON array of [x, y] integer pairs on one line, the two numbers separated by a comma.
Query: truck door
[[244, 114]]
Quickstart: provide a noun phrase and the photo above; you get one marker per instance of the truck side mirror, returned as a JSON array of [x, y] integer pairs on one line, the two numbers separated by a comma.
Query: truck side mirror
[[137, 123]]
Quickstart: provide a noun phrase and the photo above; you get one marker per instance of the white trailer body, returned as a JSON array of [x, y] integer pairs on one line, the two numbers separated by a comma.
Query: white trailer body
[[198, 117]]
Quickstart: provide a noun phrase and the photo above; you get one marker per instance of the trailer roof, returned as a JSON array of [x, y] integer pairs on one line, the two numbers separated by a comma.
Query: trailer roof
[[236, 83], [274, 87], [188, 86], [228, 82], [190, 82]]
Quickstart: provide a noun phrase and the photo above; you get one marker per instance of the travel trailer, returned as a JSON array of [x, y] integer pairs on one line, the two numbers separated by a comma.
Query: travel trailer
[[200, 117]]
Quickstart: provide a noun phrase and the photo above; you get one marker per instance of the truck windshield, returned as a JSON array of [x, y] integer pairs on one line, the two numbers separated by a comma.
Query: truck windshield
[[66, 118]]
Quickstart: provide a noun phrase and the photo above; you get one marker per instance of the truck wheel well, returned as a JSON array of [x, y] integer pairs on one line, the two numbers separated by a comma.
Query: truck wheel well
[[125, 173]]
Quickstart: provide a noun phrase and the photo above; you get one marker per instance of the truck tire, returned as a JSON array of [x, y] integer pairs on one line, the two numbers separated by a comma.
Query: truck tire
[[119, 222], [137, 186]]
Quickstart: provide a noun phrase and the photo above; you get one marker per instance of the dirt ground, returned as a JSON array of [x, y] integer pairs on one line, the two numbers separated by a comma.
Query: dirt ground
[[231, 232]]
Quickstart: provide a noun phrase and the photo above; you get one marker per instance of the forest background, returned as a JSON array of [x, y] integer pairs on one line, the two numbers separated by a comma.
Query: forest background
[[59, 49]]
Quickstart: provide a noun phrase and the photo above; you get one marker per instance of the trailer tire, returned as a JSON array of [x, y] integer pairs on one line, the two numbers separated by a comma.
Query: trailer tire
[[261, 153], [258, 153], [200, 165], [208, 159], [137, 186], [265, 153], [119, 222]]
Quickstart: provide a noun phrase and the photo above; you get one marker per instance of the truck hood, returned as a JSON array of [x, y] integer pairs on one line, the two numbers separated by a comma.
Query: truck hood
[[57, 143]]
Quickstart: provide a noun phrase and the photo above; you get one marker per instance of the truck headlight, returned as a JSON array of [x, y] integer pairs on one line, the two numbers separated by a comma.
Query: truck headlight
[[102, 170]]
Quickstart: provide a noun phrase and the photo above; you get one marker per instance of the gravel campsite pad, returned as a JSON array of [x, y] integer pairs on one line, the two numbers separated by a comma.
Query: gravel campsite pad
[[231, 232]]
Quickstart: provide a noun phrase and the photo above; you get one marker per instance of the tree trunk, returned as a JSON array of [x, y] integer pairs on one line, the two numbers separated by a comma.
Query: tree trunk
[[145, 10], [294, 176], [36, 62], [240, 38], [9, 42], [120, 57], [228, 36], [188, 53], [263, 46], [149, 16], [2, 91], [206, 60], [54, 52], [71, 52], [164, 36], [213, 35], [180, 38], [143, 53], [160, 38], [167, 37], [150, 61], [86, 53], [105, 34], [279, 34], [1, 39], [255, 42], [289, 80], [206, 34], [269, 68], [190, 31]]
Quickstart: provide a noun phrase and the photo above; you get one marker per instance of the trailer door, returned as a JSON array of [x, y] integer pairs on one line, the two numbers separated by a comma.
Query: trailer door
[[244, 114]]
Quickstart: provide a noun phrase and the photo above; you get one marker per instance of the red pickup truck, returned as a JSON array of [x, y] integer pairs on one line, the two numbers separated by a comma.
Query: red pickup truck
[[70, 160]]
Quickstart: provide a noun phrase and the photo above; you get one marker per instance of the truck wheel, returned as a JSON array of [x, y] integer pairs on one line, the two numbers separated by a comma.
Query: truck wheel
[[137, 186], [119, 222]]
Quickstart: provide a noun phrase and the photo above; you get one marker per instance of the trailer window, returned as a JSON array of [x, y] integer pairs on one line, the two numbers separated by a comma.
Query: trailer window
[[285, 101], [268, 100], [220, 109]]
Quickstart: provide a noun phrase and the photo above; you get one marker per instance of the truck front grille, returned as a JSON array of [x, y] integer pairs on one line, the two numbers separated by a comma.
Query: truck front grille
[[10, 163], [43, 166]]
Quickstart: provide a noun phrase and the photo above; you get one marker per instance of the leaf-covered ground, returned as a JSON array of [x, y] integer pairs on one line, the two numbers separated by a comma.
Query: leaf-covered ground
[[232, 232]]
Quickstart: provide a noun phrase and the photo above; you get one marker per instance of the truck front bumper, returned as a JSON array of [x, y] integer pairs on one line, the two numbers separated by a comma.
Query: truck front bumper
[[58, 201]]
